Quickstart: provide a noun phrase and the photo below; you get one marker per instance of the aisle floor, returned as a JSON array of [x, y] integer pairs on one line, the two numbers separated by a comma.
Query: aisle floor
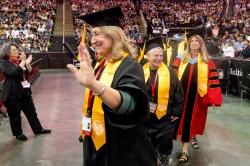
[[58, 99]]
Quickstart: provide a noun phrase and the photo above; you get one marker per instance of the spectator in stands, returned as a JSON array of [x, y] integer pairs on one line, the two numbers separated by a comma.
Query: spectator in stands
[[239, 45], [246, 52], [213, 44], [225, 36], [166, 100], [228, 49], [201, 86], [16, 91], [115, 120]]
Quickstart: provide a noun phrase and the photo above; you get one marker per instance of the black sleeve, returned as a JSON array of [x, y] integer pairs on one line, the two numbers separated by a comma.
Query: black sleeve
[[178, 95], [129, 78], [126, 106], [10, 70]]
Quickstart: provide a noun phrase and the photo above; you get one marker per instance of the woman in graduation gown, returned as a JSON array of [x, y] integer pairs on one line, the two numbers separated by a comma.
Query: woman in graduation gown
[[115, 113], [166, 100], [200, 82]]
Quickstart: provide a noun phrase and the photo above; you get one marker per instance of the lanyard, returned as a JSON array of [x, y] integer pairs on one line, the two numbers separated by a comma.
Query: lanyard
[[98, 73], [153, 86]]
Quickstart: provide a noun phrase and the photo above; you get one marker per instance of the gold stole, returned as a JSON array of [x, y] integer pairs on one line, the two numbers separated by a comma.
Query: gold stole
[[163, 88], [202, 75], [98, 134]]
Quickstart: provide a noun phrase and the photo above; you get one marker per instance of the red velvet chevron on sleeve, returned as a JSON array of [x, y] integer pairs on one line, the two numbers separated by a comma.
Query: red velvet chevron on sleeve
[[214, 94]]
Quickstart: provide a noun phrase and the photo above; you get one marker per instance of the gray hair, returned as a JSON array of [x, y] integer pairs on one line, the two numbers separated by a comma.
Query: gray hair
[[5, 50]]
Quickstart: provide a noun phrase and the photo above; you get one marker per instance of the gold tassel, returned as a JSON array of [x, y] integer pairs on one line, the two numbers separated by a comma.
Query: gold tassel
[[142, 53]]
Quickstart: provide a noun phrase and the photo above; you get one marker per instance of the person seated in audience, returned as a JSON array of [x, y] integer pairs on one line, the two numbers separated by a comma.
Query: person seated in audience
[[239, 45], [228, 49], [246, 51]]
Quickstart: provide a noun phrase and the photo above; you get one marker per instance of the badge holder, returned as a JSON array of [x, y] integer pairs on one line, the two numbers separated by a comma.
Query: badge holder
[[86, 125], [152, 106]]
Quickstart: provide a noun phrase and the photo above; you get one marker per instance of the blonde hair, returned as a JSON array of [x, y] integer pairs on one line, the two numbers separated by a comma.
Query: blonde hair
[[202, 51], [120, 41]]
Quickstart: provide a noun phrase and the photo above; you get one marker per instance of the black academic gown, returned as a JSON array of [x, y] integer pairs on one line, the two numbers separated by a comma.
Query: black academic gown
[[127, 140], [162, 131]]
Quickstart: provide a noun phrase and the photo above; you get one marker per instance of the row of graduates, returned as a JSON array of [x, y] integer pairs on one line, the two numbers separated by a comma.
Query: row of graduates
[[131, 113]]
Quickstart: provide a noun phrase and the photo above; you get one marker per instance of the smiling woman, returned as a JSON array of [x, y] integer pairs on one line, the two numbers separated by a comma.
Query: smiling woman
[[115, 111], [201, 85], [16, 90], [109, 40]]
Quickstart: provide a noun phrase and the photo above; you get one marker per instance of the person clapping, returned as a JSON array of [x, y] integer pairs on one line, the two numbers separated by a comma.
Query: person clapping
[[16, 90]]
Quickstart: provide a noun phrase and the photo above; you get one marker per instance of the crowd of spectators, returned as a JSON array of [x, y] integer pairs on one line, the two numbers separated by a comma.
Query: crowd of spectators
[[27, 23], [165, 16], [235, 31]]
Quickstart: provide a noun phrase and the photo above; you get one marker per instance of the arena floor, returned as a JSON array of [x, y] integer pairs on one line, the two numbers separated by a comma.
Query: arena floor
[[58, 99]]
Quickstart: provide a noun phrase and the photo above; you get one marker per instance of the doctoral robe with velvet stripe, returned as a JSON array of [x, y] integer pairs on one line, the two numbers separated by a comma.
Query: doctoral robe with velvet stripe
[[127, 139], [195, 109]]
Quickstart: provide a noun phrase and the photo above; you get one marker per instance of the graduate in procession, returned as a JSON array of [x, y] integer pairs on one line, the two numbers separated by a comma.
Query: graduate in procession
[[115, 113], [201, 85], [166, 100]]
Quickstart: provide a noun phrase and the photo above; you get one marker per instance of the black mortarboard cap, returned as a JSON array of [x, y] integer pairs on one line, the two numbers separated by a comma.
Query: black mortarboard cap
[[107, 17], [189, 31], [153, 43], [192, 32]]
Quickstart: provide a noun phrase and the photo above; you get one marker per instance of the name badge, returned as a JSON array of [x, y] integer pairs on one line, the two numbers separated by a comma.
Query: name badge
[[152, 107], [25, 84], [86, 125]]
